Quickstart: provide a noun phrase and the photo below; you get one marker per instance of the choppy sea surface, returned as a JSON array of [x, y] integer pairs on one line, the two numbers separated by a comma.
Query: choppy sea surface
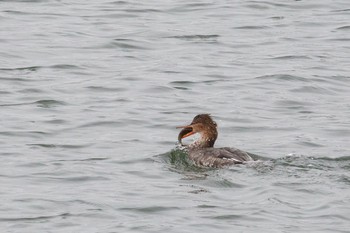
[[91, 93]]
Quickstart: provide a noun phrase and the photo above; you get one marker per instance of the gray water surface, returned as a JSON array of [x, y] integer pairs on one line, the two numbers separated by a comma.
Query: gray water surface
[[91, 93]]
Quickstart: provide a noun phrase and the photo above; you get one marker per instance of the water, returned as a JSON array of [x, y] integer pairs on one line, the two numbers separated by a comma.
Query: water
[[91, 93]]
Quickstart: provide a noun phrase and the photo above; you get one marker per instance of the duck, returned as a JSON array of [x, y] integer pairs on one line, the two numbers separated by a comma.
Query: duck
[[202, 151]]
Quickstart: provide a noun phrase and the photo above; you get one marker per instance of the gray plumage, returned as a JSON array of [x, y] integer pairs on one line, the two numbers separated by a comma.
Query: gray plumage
[[218, 157]]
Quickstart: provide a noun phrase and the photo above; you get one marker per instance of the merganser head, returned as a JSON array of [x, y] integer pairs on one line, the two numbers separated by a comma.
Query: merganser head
[[205, 126]]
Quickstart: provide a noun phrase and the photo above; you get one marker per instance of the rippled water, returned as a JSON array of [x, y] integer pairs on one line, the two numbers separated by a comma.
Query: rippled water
[[91, 92]]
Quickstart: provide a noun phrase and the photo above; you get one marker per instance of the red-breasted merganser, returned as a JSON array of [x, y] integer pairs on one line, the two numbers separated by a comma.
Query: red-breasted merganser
[[202, 152]]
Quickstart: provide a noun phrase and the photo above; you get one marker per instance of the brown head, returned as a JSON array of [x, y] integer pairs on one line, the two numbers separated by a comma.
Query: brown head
[[205, 126]]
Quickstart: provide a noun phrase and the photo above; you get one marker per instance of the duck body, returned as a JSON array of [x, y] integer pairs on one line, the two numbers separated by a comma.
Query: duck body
[[218, 157], [202, 151]]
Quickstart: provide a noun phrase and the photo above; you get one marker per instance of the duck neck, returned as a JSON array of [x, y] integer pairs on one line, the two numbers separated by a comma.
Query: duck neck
[[206, 140]]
